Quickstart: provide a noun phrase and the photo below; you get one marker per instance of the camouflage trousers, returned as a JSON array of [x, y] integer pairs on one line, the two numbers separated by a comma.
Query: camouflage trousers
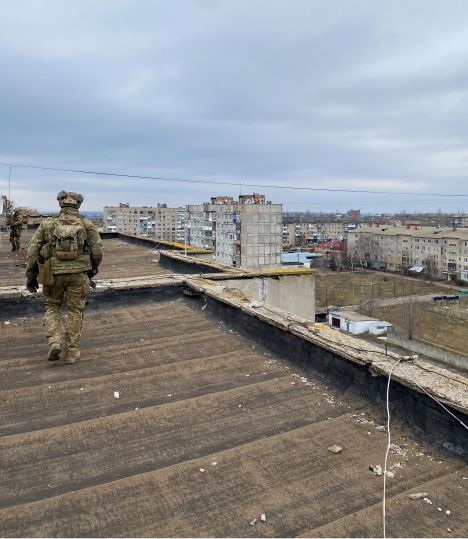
[[15, 240], [76, 288]]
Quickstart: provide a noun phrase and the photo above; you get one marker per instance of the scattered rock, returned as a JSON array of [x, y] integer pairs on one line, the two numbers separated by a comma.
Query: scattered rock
[[390, 474], [116, 395], [214, 463], [428, 500], [201, 469], [449, 530], [263, 517], [254, 521], [376, 469], [439, 509], [6, 323], [418, 495], [335, 449], [81, 388], [448, 512]]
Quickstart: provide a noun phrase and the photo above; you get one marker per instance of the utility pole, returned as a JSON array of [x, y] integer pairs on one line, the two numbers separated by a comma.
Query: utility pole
[[9, 184]]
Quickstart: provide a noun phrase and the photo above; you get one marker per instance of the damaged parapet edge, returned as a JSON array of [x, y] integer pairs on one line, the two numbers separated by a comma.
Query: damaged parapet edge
[[443, 384]]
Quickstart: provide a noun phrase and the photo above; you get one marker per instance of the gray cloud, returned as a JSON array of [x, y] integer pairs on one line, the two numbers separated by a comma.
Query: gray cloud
[[356, 94]]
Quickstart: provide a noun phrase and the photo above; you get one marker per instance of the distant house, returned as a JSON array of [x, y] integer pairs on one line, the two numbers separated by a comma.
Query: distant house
[[357, 323]]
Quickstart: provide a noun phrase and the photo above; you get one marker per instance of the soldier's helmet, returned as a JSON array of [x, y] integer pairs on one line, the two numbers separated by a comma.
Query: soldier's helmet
[[69, 199]]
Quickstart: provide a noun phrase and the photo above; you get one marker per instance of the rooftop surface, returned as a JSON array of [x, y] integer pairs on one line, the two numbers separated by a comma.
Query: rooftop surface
[[121, 260], [208, 432]]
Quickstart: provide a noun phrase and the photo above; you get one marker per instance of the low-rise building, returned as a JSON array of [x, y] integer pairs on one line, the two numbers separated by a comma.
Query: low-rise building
[[357, 323]]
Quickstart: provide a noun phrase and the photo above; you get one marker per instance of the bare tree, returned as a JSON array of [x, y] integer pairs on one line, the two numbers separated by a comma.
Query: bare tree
[[431, 268], [410, 318]]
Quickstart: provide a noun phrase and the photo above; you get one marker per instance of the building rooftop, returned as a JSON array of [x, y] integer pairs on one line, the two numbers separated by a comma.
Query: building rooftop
[[355, 316], [420, 231], [220, 417]]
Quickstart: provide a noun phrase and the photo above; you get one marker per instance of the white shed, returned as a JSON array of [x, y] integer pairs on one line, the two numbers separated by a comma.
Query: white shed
[[356, 323]]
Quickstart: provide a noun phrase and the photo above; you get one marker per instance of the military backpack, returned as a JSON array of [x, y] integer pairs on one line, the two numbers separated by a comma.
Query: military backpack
[[68, 238]]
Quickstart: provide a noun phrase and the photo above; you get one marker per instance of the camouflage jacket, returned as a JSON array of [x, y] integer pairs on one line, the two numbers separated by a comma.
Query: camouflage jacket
[[15, 223], [41, 249]]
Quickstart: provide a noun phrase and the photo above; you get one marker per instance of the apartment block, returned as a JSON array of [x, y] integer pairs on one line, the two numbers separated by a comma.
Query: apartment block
[[316, 232], [438, 252], [243, 233], [155, 221]]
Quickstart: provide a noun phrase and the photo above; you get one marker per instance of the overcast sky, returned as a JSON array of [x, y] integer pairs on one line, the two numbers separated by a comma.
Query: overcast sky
[[354, 94]]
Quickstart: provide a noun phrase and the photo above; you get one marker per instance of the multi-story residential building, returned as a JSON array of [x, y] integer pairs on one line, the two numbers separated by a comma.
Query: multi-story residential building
[[243, 233], [441, 252], [157, 221], [459, 220], [295, 234], [181, 231]]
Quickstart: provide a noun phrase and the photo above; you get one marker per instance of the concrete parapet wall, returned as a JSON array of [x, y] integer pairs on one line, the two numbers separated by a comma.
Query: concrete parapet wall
[[180, 263], [154, 243], [351, 365], [292, 293]]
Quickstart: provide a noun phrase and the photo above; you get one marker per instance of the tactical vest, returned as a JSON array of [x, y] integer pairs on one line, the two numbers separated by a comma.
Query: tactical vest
[[67, 245]]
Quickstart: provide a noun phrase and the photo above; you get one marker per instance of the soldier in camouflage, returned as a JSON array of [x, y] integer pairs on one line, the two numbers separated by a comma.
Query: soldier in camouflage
[[64, 253], [15, 222]]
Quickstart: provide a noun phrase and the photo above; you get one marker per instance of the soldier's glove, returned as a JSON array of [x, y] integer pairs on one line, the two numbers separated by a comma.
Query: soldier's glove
[[32, 285], [92, 272]]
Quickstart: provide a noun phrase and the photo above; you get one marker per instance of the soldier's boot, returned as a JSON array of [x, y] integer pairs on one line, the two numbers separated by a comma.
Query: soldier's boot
[[55, 349], [71, 356]]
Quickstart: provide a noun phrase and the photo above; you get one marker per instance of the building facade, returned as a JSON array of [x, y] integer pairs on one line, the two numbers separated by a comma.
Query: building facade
[[243, 233], [297, 234], [441, 252], [153, 221]]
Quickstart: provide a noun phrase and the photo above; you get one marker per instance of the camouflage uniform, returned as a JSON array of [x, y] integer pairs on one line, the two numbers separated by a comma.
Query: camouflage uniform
[[70, 276], [16, 227]]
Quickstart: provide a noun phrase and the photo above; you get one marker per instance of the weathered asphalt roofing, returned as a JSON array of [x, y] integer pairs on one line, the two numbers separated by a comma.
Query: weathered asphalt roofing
[[121, 260], [208, 432]]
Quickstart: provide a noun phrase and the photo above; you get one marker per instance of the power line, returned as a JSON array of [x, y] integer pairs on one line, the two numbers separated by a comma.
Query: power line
[[234, 184]]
